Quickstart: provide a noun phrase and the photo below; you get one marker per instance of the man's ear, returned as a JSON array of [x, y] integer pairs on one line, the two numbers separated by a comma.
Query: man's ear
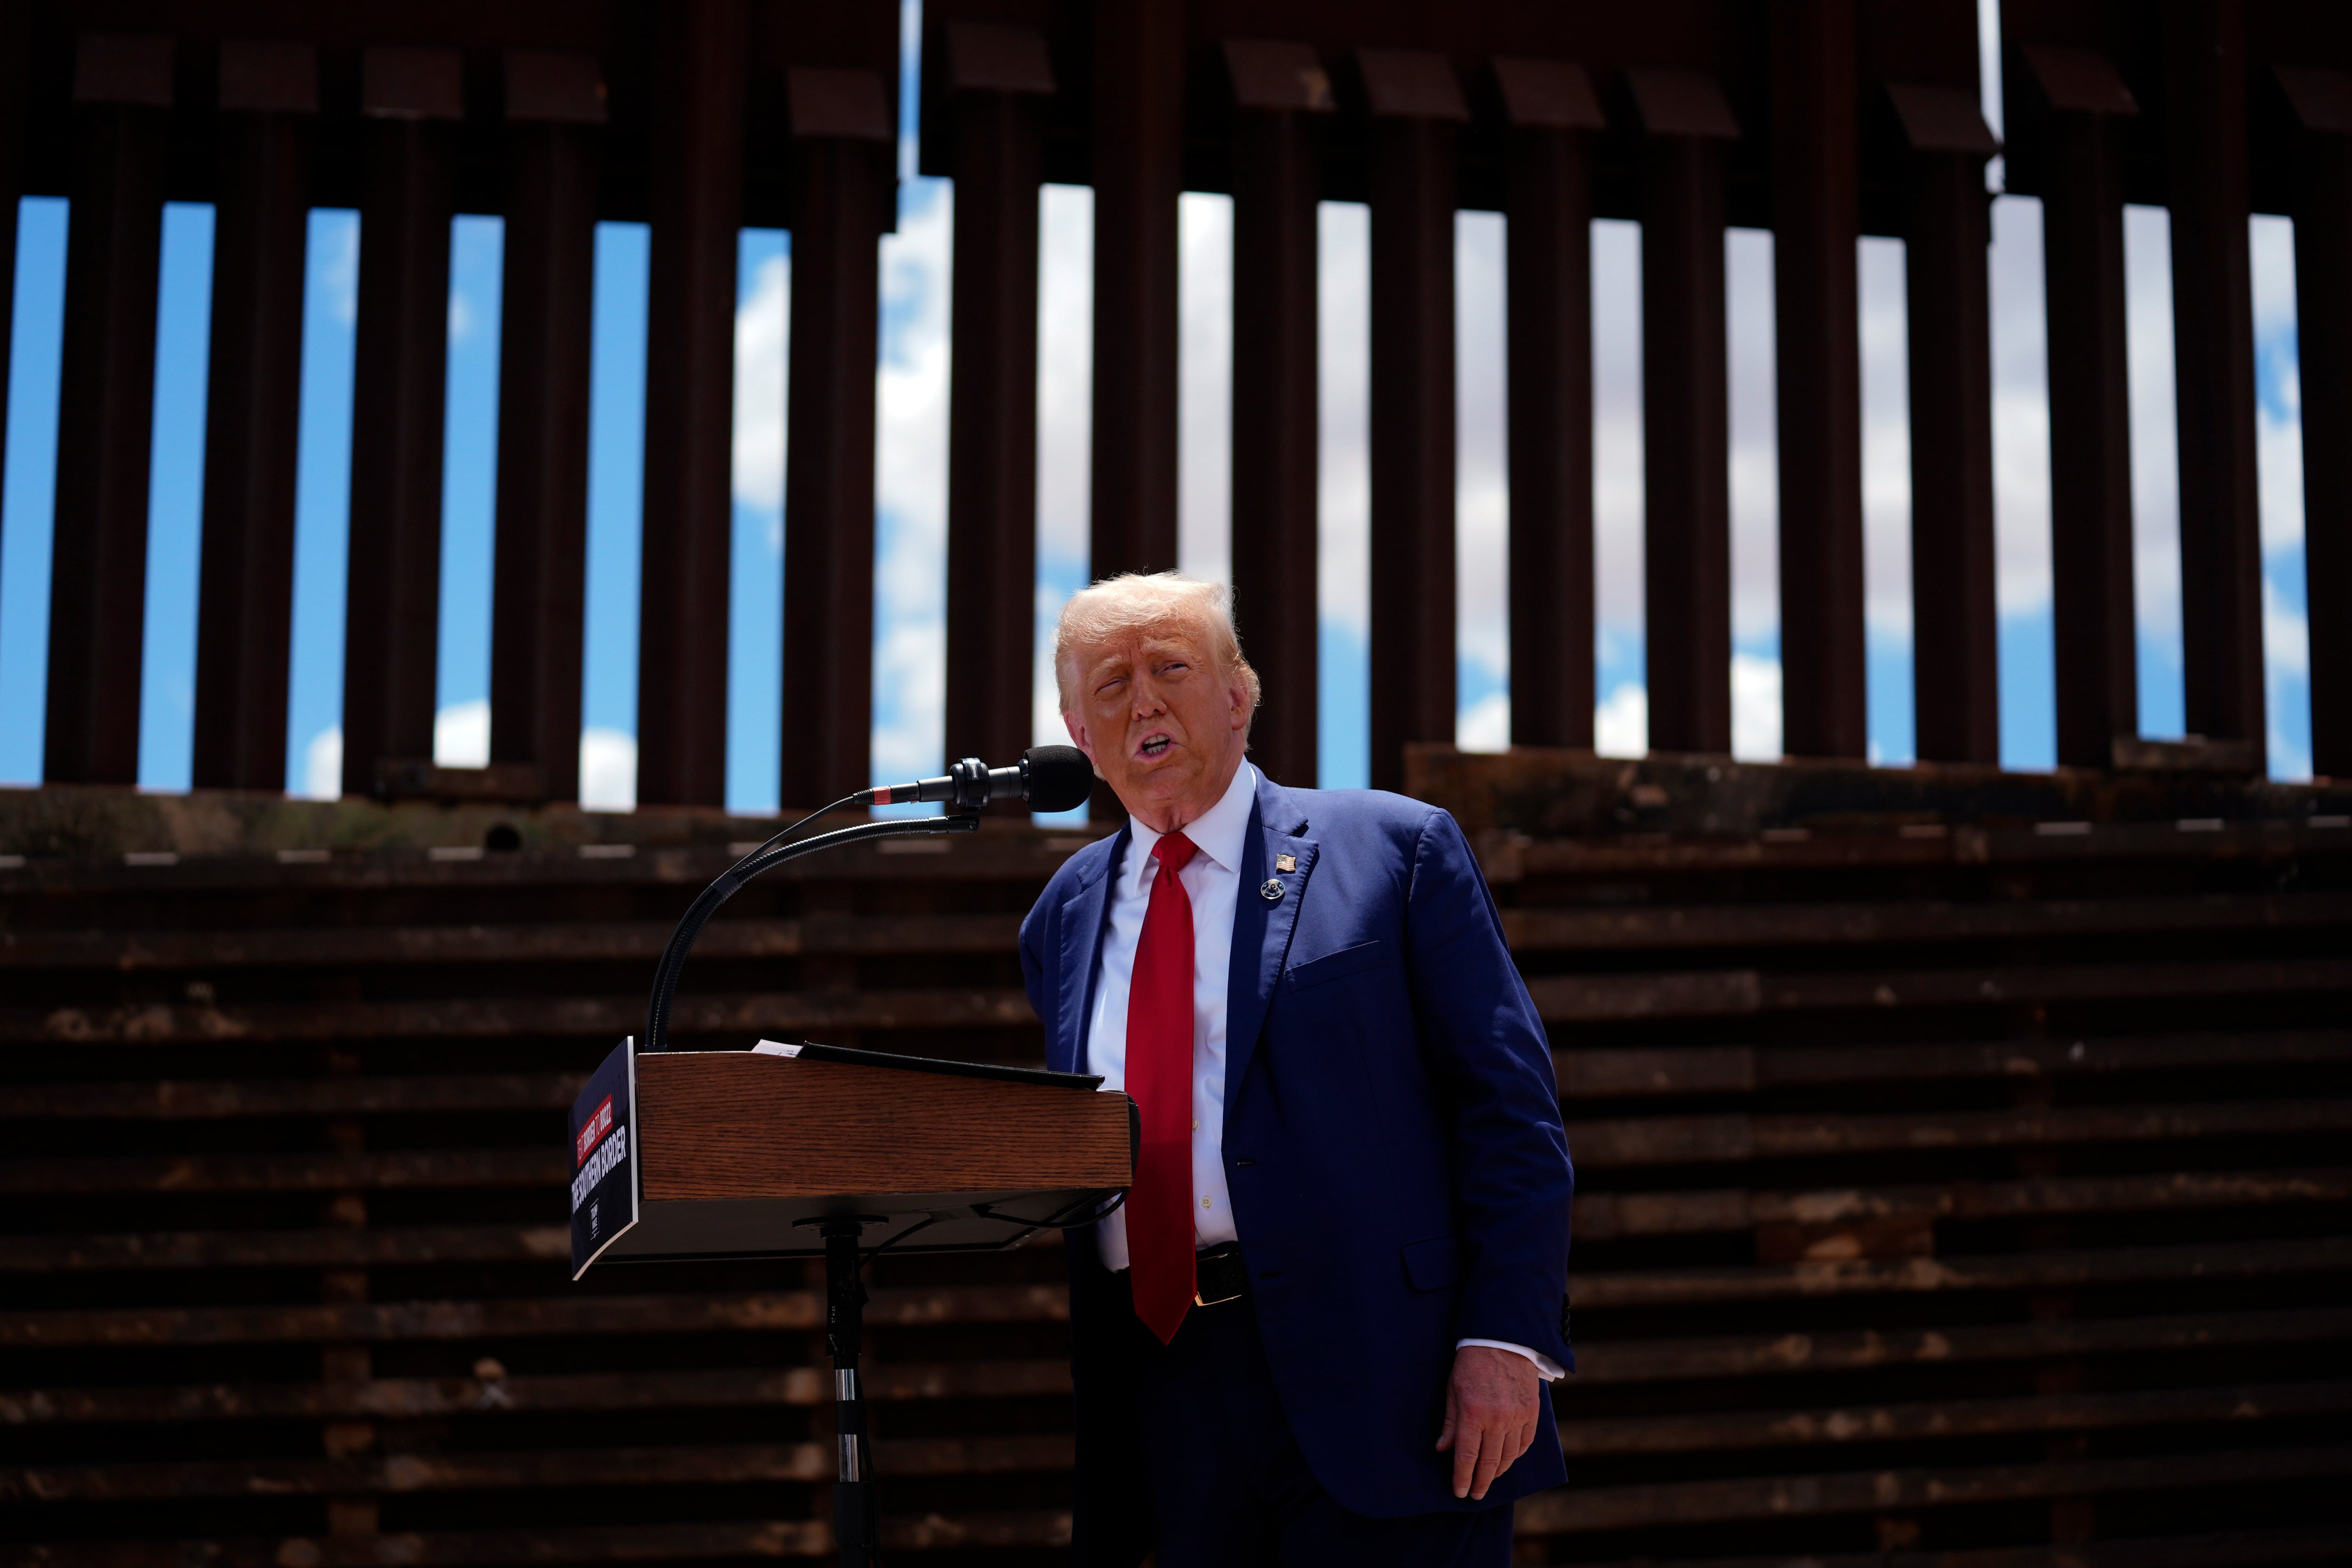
[[1078, 733]]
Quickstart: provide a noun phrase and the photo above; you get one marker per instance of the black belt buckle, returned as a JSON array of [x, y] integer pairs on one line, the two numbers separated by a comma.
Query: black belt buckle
[[1219, 1275]]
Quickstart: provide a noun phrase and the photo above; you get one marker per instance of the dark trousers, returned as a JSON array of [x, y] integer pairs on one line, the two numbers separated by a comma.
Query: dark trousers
[[1230, 1489]]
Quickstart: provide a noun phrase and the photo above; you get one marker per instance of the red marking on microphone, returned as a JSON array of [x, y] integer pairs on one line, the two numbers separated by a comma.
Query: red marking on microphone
[[592, 1131], [882, 797]]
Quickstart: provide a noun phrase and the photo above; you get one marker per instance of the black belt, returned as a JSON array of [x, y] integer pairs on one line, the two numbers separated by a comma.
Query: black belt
[[1219, 1275]]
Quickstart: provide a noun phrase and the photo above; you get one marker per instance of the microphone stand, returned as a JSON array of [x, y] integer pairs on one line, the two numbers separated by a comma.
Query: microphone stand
[[856, 1519], [690, 926]]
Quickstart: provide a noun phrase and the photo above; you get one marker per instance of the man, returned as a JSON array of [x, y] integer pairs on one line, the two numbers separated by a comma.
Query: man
[[1322, 1328]]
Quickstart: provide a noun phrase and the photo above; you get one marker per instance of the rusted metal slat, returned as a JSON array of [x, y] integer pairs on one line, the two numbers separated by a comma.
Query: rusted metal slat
[[409, 1473], [2205, 166], [2321, 103], [378, 1171], [469, 1549], [328, 1247], [1955, 659], [1924, 921], [561, 1316], [1601, 1216], [1685, 410], [411, 99], [1138, 111], [2090, 423], [106, 396], [1558, 998], [593, 1018], [555, 111], [1604, 1073], [1817, 345], [1565, 1512], [998, 81], [16, 68], [413, 1398], [841, 146], [1281, 92], [1416, 108], [555, 1315], [585, 943], [179, 1099], [1935, 1421], [1915, 1276], [1604, 1360], [1600, 1361], [1678, 1139], [1051, 1530], [245, 620], [697, 188], [1553, 115]]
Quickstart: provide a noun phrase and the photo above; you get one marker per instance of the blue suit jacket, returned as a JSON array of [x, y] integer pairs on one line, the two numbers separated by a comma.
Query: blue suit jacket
[[1392, 1143]]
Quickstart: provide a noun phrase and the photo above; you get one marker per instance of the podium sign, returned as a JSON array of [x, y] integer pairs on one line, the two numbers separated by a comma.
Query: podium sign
[[605, 1183]]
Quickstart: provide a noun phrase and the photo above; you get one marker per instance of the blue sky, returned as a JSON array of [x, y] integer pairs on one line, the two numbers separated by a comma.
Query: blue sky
[[911, 382]]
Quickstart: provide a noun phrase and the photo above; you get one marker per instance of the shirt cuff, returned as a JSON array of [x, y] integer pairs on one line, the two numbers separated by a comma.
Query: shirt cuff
[[1552, 1370]]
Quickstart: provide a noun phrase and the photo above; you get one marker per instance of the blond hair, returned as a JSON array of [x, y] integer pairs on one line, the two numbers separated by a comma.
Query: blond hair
[[1133, 600]]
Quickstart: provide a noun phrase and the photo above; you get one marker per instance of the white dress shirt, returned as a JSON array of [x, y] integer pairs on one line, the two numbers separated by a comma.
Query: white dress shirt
[[1212, 881]]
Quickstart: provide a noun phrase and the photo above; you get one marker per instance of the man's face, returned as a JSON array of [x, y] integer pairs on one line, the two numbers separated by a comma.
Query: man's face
[[1164, 728]]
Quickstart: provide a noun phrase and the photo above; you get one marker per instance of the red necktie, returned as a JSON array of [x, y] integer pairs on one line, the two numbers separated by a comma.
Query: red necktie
[[1159, 1077]]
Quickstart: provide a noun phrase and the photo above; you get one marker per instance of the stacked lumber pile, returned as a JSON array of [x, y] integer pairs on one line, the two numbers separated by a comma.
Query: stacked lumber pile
[[1951, 1191]]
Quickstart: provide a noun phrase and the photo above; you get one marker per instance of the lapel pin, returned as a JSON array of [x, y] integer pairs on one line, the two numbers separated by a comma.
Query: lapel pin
[[1285, 862], [1270, 891]]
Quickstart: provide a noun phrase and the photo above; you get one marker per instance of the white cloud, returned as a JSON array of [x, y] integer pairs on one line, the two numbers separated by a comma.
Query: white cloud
[[1482, 493], [335, 235], [461, 316], [2286, 659], [1618, 485], [1065, 379], [1343, 336], [763, 336], [2020, 410], [2154, 436], [323, 766], [2278, 404], [1886, 438], [1750, 367], [910, 667], [1204, 440], [1485, 724], [608, 770], [1620, 723], [910, 485], [2271, 245], [1755, 708], [461, 734], [911, 444], [2286, 635]]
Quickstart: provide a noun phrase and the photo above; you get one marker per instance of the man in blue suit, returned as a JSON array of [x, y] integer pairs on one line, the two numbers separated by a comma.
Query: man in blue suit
[[1324, 1327]]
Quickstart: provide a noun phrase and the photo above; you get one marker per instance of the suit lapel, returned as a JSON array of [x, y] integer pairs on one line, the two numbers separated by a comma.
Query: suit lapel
[[1262, 931], [1082, 927]]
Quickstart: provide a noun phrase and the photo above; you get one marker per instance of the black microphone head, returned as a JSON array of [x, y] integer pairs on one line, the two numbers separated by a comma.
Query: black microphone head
[[1060, 778]]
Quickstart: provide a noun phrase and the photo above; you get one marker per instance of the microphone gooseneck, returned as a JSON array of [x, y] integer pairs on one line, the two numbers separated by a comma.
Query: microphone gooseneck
[[1050, 778]]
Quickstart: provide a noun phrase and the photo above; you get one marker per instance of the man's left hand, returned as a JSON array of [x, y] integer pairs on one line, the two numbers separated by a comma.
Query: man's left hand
[[1491, 1410]]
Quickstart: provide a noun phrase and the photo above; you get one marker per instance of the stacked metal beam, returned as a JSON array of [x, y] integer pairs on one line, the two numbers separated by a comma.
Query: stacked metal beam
[[1947, 1186]]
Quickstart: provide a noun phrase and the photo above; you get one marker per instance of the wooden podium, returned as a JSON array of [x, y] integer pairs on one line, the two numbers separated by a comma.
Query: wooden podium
[[747, 1153], [802, 1150], [751, 1153], [797, 1150]]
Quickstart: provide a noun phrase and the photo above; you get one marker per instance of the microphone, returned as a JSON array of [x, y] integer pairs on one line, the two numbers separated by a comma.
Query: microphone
[[1050, 778]]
